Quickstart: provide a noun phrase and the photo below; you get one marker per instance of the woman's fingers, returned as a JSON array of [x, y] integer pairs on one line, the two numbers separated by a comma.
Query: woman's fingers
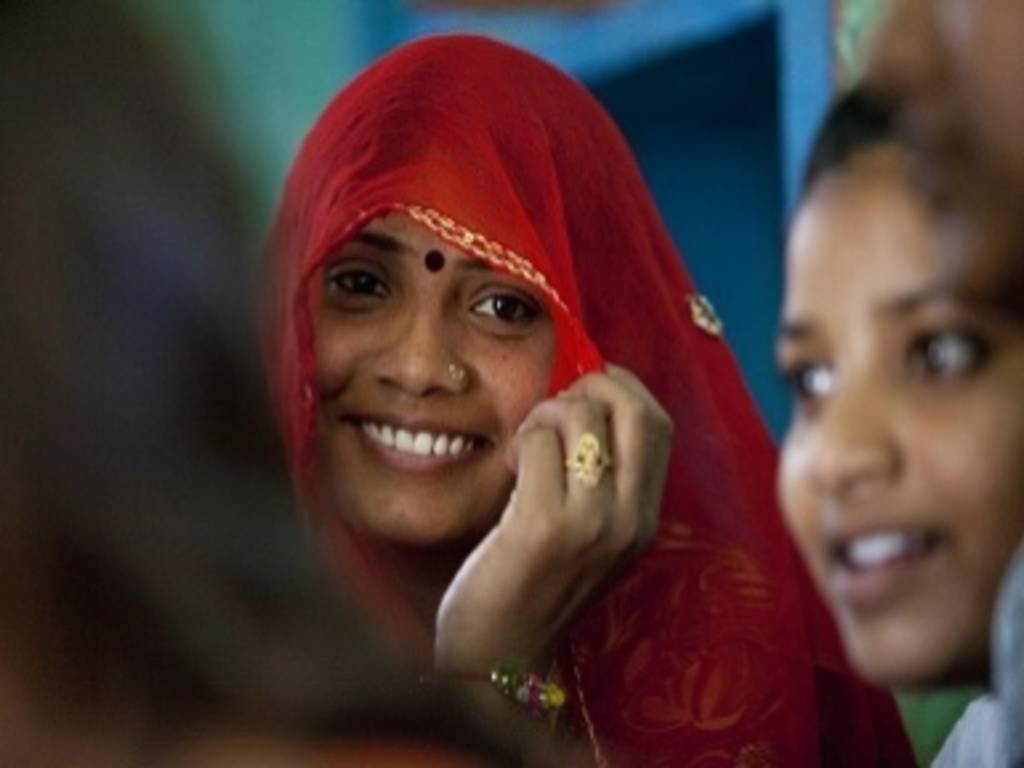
[[601, 447], [642, 432], [539, 461], [590, 467], [570, 418]]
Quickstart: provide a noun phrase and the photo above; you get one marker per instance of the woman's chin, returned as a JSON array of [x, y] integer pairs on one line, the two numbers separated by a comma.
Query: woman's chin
[[923, 670], [436, 541]]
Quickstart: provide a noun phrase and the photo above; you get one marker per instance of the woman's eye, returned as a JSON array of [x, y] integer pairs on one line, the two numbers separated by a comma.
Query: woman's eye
[[345, 285], [811, 382], [356, 281], [947, 355], [508, 307]]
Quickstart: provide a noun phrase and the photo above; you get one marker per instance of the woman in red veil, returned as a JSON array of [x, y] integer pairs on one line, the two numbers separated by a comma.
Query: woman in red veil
[[708, 648]]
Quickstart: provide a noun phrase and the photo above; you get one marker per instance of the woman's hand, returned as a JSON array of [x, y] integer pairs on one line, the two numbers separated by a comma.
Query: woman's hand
[[561, 539]]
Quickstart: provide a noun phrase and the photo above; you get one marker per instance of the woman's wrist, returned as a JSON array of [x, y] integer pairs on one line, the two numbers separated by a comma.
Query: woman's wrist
[[535, 694], [538, 695]]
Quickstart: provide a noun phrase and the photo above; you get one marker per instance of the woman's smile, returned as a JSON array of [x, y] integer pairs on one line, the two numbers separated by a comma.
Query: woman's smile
[[420, 442], [871, 571]]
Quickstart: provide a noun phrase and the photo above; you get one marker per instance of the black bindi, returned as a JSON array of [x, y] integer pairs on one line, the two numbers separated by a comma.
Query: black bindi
[[434, 261]]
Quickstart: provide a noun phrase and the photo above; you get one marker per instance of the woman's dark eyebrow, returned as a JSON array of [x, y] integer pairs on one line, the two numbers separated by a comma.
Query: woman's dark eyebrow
[[475, 265], [379, 241], [390, 244], [905, 304], [793, 331], [912, 302]]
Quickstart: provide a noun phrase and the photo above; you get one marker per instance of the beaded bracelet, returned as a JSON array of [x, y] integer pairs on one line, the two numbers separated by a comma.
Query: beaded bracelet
[[539, 696]]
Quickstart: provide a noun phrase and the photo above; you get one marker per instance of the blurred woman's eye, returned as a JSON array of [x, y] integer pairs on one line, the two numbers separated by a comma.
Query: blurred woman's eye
[[810, 382], [948, 355], [509, 308]]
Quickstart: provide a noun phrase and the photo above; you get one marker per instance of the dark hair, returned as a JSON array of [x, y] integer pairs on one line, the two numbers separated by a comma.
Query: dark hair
[[855, 121]]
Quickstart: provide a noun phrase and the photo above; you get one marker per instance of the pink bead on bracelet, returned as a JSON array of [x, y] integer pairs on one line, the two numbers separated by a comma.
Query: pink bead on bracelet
[[539, 696]]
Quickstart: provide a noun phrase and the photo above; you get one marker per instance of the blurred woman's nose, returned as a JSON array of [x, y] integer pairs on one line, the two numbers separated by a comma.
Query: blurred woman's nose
[[854, 453], [904, 59]]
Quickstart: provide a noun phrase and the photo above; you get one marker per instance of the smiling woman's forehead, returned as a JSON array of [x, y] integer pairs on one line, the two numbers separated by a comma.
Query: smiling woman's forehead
[[396, 234]]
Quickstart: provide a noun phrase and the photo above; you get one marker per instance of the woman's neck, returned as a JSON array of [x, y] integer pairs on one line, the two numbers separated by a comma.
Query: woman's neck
[[422, 574], [401, 586]]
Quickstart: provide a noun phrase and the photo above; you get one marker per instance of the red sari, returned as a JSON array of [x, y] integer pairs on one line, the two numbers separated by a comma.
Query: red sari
[[713, 649]]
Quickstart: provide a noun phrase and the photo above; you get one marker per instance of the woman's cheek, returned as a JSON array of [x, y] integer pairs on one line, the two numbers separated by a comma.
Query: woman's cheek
[[795, 499]]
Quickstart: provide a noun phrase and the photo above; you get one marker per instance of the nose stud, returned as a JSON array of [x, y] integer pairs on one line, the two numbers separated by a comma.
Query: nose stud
[[456, 373]]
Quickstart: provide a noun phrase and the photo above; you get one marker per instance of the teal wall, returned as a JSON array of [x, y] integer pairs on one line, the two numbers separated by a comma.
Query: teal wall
[[265, 68]]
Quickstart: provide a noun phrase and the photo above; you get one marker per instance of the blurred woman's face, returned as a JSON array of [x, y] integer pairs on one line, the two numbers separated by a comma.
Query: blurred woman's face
[[901, 473], [427, 362]]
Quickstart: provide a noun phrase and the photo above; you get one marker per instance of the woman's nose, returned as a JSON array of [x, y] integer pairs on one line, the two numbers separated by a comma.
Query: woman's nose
[[420, 356], [854, 453]]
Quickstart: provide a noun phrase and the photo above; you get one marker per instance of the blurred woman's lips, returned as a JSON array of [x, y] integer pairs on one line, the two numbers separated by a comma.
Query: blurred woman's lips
[[879, 548], [870, 570]]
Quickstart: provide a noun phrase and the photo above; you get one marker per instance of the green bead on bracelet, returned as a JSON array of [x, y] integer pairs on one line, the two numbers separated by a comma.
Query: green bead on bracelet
[[538, 695]]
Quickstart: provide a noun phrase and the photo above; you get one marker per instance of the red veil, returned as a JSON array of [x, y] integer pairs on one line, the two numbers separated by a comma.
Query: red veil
[[712, 650]]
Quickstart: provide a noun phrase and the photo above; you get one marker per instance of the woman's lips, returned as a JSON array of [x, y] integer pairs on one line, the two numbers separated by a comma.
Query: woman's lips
[[421, 443]]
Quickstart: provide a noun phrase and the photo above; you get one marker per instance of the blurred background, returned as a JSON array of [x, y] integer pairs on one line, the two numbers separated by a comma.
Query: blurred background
[[718, 98]]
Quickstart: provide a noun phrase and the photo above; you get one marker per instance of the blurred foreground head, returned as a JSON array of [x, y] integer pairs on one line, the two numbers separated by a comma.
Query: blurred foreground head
[[139, 490], [951, 71], [153, 582]]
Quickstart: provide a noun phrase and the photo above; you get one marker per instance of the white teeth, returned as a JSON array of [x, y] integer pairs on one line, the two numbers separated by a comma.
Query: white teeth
[[423, 445], [403, 440], [418, 444], [878, 549]]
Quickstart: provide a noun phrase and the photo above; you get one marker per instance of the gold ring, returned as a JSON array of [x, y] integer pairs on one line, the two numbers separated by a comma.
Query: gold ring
[[588, 460]]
